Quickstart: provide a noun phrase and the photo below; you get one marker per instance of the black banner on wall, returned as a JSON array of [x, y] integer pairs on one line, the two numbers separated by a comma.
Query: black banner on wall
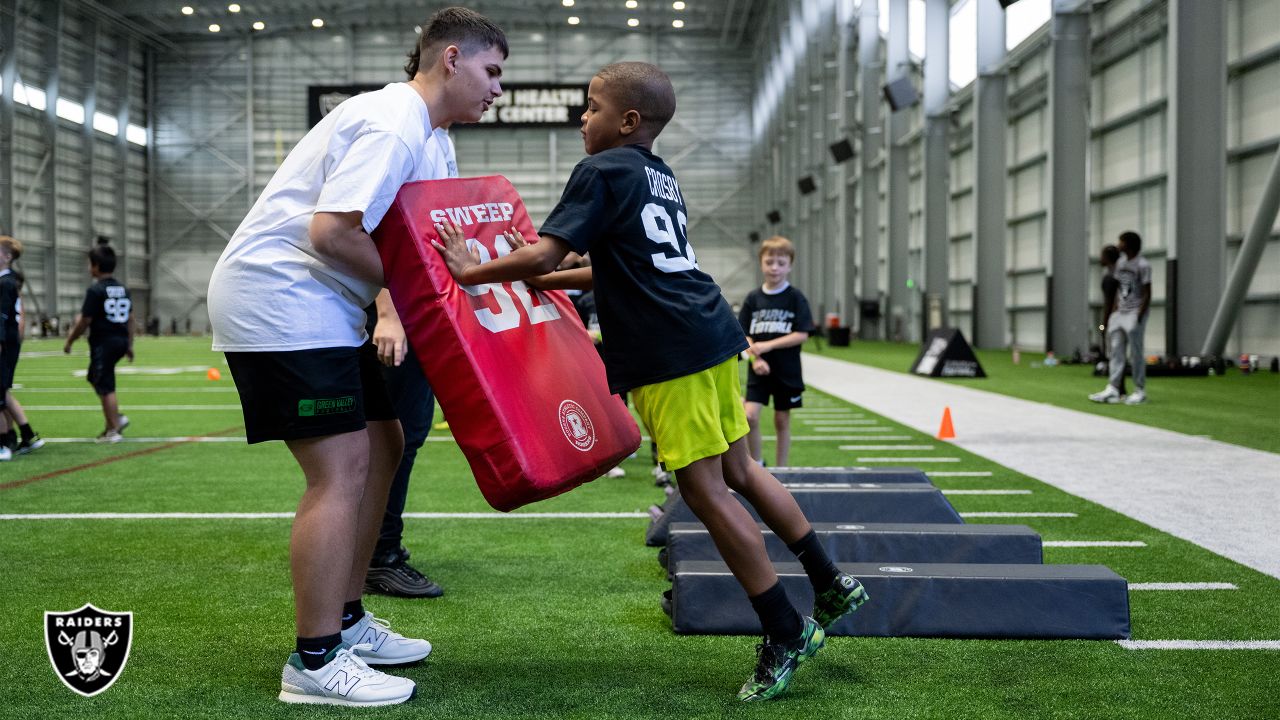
[[520, 105]]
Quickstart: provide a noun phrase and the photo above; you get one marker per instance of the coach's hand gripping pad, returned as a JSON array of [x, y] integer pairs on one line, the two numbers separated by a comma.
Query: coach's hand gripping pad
[[516, 374]]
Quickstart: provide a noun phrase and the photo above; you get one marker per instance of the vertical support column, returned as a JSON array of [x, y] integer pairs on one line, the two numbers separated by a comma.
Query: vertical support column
[[847, 70], [1196, 199], [89, 166], [249, 168], [9, 75], [124, 45], [937, 160], [869, 182], [989, 129], [153, 255], [53, 16], [898, 66], [1068, 268]]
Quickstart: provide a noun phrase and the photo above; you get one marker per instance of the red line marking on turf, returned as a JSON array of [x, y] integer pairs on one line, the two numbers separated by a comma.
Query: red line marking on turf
[[109, 460]]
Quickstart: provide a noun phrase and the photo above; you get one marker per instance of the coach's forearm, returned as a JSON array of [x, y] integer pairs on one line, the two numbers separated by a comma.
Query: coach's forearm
[[340, 239]]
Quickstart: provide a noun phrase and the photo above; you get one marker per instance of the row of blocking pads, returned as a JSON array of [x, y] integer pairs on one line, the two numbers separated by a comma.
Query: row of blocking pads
[[928, 573]]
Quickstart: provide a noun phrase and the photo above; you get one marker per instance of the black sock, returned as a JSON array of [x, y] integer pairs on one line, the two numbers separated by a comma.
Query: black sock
[[352, 613], [778, 616], [27, 432], [8, 439], [313, 650], [817, 564]]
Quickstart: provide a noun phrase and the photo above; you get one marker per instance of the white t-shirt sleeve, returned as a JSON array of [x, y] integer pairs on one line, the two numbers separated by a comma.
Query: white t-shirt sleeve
[[1144, 273], [367, 177]]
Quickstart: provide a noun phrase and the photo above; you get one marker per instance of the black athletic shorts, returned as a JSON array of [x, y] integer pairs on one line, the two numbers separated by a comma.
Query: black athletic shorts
[[103, 356], [8, 364], [309, 393], [760, 388]]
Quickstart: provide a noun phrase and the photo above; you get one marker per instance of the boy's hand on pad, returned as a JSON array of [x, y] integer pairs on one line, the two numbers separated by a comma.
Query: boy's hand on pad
[[514, 239], [452, 246]]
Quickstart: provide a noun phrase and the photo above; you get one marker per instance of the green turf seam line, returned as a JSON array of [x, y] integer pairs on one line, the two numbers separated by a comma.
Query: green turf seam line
[[104, 461]]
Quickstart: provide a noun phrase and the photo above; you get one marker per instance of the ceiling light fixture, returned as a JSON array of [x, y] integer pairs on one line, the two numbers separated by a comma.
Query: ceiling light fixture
[[259, 25], [632, 4], [677, 23], [317, 23], [632, 22], [233, 7], [188, 10], [566, 3], [215, 27], [677, 5], [573, 20]]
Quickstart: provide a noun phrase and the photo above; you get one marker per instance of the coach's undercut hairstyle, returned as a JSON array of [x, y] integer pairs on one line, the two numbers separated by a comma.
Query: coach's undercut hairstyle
[[102, 256], [468, 29], [644, 88], [11, 245], [778, 245], [1132, 241]]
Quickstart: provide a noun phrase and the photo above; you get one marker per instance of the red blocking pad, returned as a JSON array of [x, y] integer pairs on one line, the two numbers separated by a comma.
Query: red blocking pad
[[516, 374]]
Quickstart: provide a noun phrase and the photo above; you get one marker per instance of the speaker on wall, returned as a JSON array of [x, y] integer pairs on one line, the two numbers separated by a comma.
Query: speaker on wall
[[901, 94], [806, 185], [842, 151], [1007, 3], [774, 216], [754, 237]]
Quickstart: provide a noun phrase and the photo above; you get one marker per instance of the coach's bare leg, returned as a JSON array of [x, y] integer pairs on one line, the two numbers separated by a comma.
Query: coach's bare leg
[[754, 441], [734, 532], [774, 503], [323, 540], [386, 445], [782, 428]]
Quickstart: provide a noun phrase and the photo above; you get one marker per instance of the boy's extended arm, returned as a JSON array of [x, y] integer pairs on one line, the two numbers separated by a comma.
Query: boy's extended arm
[[573, 279], [340, 238], [82, 324], [521, 264]]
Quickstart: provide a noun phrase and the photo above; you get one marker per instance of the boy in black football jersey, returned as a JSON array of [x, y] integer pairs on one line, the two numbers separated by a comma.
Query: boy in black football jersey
[[673, 343], [24, 439], [777, 321], [106, 314]]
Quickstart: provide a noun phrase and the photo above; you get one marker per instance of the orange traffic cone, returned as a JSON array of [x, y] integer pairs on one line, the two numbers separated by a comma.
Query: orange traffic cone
[[947, 431], [214, 374]]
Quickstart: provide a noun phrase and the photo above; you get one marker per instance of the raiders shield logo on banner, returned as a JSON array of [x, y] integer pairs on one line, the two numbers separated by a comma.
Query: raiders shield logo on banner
[[88, 647]]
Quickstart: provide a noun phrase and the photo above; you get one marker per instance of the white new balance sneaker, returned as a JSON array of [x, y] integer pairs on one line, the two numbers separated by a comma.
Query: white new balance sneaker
[[5, 453], [1109, 395], [1137, 397], [344, 680], [377, 644]]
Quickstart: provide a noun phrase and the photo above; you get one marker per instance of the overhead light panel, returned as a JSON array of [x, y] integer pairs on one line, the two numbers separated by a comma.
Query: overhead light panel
[[573, 19], [215, 28], [632, 22], [187, 10], [632, 4], [233, 7], [259, 25], [566, 3], [677, 5], [317, 23], [677, 23]]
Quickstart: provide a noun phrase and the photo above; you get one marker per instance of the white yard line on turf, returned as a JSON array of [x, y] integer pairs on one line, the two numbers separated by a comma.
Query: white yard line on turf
[[983, 473], [886, 447], [1092, 543], [1199, 644], [986, 492], [1183, 586], [1018, 515], [281, 516], [908, 459]]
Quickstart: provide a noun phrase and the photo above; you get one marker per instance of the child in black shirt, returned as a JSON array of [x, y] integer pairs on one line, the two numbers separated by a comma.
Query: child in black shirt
[[106, 313]]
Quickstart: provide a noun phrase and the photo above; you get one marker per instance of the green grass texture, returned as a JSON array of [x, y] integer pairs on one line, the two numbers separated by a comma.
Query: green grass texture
[[1238, 408], [541, 618]]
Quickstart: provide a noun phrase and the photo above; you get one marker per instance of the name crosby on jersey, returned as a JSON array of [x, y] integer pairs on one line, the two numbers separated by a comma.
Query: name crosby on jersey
[[474, 214], [770, 321], [663, 186]]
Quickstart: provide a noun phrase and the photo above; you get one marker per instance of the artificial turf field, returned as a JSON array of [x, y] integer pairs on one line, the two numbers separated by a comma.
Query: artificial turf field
[[542, 618]]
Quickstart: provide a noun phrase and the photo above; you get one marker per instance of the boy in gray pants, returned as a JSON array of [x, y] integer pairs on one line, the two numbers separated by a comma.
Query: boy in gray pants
[[1127, 321]]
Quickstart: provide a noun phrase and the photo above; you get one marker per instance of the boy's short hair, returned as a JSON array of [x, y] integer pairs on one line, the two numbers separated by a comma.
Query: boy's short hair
[[778, 245], [642, 87], [468, 29], [11, 245], [103, 257], [1110, 254], [1132, 241]]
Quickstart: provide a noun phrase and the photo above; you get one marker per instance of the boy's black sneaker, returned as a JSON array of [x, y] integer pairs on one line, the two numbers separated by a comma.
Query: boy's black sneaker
[[777, 662], [844, 596], [27, 445], [391, 574]]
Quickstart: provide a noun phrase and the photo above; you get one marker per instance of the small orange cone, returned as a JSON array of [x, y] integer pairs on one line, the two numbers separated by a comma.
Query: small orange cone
[[214, 374], [947, 431]]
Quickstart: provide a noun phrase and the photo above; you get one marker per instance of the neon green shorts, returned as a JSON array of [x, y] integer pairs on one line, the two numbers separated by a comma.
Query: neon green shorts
[[695, 416]]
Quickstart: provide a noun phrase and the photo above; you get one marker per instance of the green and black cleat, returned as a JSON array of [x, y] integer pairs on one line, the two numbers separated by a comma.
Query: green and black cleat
[[844, 596], [778, 662]]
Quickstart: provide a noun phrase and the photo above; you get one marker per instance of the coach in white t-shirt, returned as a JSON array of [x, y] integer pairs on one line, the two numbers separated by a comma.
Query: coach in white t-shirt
[[1127, 322], [287, 301]]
